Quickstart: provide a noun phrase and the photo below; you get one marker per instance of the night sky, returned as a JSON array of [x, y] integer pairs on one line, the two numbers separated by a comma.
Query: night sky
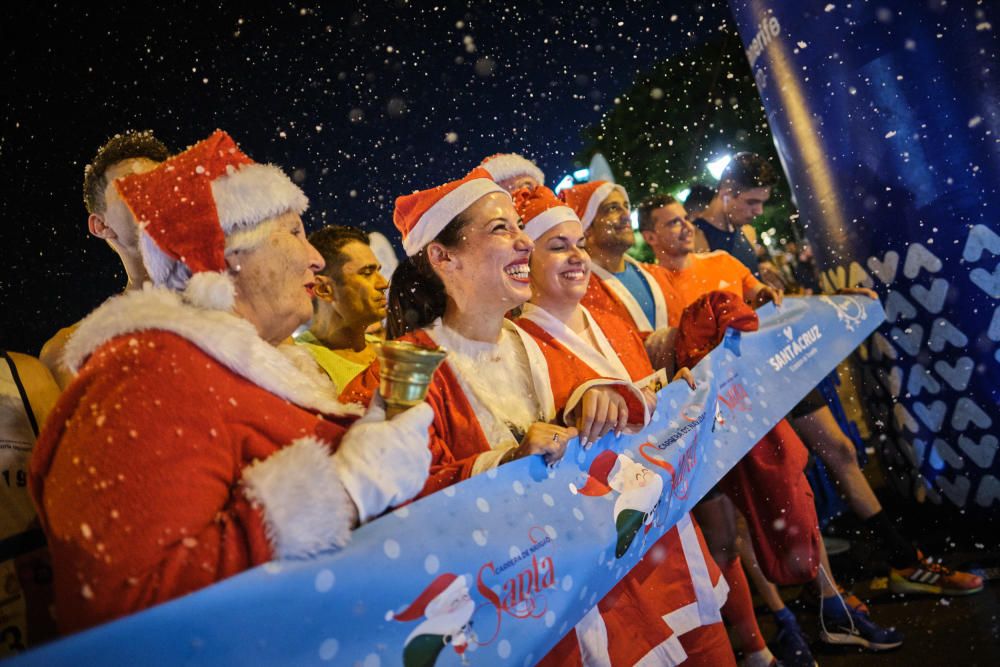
[[359, 102]]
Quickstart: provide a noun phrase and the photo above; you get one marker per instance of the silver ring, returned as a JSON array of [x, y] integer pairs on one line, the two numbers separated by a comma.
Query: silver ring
[[555, 437]]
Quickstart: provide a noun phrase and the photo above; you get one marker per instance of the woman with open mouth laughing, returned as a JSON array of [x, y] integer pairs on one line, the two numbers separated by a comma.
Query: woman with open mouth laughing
[[467, 267], [654, 600]]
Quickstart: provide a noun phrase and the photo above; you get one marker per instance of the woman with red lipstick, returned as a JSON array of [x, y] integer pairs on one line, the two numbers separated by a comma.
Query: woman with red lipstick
[[189, 448], [467, 267], [667, 608]]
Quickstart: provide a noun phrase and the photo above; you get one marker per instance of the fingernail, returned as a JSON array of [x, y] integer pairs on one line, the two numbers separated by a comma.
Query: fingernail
[[583, 442]]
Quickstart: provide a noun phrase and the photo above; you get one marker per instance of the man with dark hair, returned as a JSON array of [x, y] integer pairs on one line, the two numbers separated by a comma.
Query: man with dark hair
[[744, 188], [348, 298], [109, 219]]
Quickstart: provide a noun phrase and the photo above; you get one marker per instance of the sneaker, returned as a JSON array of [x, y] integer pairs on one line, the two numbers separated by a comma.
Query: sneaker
[[793, 647], [810, 596], [933, 578], [856, 628]]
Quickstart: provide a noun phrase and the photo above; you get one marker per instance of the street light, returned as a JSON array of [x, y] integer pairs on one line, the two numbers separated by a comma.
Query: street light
[[718, 165]]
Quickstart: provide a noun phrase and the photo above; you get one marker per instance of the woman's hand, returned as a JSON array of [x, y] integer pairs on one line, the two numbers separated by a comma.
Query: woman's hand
[[601, 409], [548, 440], [686, 375]]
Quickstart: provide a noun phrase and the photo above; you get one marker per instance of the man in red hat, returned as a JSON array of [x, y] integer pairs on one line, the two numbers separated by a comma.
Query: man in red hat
[[620, 285]]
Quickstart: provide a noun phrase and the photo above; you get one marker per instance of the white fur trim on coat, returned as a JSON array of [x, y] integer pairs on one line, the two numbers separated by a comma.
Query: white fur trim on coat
[[254, 193], [512, 165], [305, 506], [444, 210], [227, 338], [547, 219]]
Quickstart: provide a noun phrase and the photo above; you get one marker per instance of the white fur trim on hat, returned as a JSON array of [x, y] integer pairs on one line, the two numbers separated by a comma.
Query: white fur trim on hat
[[305, 507], [248, 238], [512, 165], [547, 219], [444, 210], [254, 193], [597, 198]]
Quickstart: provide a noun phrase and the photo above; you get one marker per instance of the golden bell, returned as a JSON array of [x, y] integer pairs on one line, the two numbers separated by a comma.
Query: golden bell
[[406, 371]]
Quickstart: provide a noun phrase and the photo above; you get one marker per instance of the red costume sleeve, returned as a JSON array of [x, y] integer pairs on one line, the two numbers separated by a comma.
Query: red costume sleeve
[[703, 324]]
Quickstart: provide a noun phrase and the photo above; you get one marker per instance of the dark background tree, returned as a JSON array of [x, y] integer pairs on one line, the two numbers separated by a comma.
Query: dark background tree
[[683, 113]]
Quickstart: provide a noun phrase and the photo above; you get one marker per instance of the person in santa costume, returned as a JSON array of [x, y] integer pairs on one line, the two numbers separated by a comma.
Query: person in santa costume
[[513, 172], [189, 447], [447, 609], [675, 593], [466, 267], [620, 285]]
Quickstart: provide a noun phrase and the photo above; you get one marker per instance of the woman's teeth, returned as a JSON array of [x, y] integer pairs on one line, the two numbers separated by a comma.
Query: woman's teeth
[[573, 275], [518, 271]]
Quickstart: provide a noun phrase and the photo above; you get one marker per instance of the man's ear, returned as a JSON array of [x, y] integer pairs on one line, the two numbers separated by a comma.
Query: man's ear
[[646, 236], [726, 194], [97, 227]]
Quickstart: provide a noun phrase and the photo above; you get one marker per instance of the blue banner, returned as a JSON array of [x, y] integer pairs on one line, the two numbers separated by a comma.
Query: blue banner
[[885, 115], [497, 569]]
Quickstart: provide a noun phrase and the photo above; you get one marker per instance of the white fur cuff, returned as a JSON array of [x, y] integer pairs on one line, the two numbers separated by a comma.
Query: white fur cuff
[[306, 509]]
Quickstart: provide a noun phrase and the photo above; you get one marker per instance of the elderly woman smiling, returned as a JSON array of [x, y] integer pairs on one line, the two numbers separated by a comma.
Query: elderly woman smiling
[[189, 447]]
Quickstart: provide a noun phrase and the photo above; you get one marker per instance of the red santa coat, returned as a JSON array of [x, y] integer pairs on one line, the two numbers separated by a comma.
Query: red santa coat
[[145, 476], [579, 366], [607, 295], [456, 438], [677, 586]]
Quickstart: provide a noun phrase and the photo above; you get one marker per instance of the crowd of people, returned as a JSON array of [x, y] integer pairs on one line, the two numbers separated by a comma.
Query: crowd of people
[[223, 411]]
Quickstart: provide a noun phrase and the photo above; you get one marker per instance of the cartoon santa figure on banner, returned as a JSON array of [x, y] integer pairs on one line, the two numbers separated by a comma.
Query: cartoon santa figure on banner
[[448, 609], [639, 491]]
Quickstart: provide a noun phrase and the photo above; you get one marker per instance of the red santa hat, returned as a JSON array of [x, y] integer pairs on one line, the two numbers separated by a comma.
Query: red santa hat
[[446, 588], [585, 199], [600, 470], [511, 165], [541, 210], [421, 216], [189, 205]]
